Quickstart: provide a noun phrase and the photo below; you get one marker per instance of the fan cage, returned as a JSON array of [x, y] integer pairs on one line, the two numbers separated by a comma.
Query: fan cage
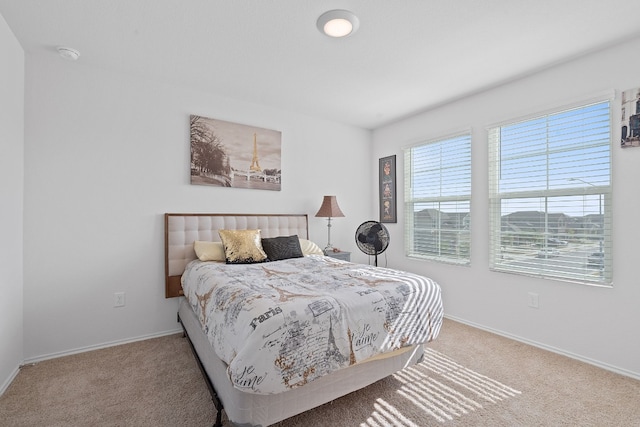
[[363, 232]]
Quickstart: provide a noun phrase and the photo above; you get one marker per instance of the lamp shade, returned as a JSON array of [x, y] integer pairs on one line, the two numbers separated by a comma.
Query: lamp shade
[[329, 208]]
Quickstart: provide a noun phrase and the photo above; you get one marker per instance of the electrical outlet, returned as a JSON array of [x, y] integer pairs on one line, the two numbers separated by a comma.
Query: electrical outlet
[[119, 299], [532, 299]]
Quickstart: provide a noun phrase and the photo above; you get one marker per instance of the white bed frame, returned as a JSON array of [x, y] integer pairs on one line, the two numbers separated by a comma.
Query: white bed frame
[[247, 409]]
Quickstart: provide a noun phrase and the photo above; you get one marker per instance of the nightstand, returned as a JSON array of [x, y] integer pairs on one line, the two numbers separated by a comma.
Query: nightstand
[[344, 256]]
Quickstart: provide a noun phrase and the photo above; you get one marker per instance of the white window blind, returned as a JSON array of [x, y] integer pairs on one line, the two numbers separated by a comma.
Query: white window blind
[[550, 195], [438, 199]]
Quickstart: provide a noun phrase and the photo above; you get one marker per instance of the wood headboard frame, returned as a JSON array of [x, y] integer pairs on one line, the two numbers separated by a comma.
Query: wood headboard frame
[[182, 229]]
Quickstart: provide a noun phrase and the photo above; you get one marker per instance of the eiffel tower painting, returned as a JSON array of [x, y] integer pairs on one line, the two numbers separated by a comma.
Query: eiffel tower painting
[[222, 155]]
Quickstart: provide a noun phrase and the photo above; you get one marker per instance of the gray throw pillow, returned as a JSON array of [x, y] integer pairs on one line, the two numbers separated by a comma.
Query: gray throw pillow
[[282, 247]]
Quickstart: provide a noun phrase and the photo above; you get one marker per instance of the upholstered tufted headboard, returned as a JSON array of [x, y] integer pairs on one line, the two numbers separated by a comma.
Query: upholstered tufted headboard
[[181, 230]]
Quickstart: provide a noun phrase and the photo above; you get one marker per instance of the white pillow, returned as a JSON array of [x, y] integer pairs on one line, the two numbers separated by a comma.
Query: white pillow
[[310, 248], [209, 251]]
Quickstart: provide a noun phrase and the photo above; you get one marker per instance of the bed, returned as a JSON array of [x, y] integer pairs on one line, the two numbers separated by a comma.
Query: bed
[[266, 362]]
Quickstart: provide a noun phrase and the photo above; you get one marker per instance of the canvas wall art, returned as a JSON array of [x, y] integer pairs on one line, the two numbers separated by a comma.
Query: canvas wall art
[[630, 117], [227, 154]]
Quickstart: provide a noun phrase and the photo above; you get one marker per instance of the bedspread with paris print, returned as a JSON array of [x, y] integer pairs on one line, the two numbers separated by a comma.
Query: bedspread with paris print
[[279, 325]]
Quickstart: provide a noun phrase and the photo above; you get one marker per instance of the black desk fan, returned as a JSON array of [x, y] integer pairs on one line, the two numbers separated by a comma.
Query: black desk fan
[[372, 237]]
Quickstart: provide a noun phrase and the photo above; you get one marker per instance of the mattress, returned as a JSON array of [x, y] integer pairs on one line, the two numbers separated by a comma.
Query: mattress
[[261, 410], [281, 325]]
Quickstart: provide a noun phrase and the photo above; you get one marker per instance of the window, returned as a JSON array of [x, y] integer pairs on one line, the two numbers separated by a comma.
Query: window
[[550, 195], [438, 198]]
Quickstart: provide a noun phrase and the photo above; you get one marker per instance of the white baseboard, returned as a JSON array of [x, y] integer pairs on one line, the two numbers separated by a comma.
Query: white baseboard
[[5, 385], [9, 380], [599, 364], [593, 362], [99, 346]]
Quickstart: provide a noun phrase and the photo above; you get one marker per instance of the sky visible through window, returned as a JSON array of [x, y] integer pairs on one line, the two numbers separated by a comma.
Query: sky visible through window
[[557, 163], [566, 152], [442, 169]]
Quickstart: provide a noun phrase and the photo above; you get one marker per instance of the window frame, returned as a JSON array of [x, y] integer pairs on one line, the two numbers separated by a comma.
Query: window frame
[[410, 201], [604, 193]]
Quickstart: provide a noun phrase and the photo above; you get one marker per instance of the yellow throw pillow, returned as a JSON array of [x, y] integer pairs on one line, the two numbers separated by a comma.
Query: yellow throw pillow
[[242, 246], [209, 251]]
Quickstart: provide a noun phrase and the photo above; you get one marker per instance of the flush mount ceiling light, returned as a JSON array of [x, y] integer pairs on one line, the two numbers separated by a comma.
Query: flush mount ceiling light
[[68, 53], [338, 23]]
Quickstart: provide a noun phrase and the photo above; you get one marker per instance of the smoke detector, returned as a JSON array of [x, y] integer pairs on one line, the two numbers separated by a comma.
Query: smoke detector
[[68, 53]]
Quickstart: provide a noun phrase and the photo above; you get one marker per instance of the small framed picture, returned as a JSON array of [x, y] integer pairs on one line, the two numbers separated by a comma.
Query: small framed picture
[[387, 185], [630, 114]]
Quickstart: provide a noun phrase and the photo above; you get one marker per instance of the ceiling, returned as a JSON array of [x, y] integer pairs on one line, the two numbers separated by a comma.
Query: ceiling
[[407, 56]]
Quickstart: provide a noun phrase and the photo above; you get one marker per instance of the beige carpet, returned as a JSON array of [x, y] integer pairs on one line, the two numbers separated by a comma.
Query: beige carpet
[[469, 378]]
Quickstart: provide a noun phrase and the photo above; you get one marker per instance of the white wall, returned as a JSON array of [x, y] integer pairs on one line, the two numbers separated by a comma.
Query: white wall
[[599, 325], [11, 200], [106, 155]]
